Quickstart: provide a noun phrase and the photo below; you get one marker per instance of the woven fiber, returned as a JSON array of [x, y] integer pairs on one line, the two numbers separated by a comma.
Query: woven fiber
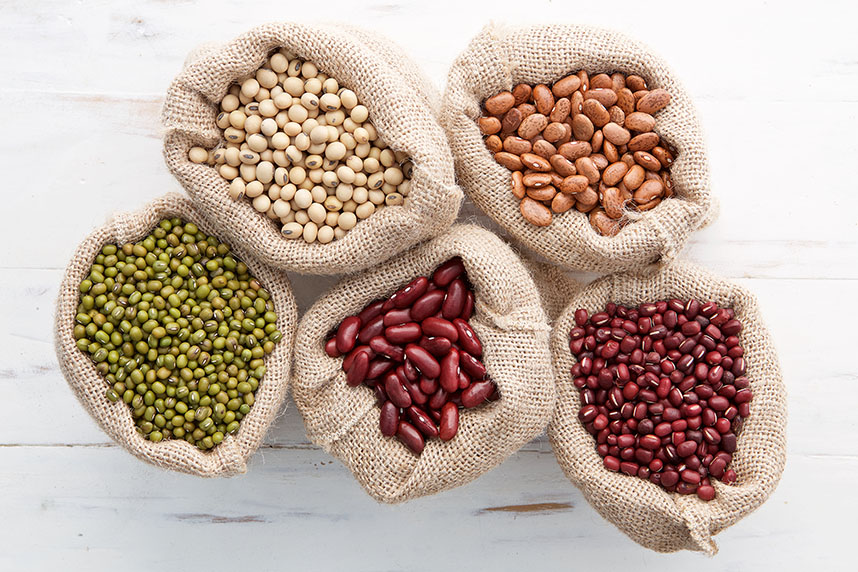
[[496, 60], [402, 107], [556, 288], [230, 456], [513, 329], [659, 520]]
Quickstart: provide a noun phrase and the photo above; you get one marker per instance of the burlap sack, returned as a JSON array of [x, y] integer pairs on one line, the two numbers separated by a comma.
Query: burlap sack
[[556, 288], [402, 107], [229, 457], [659, 520], [512, 327], [496, 60]]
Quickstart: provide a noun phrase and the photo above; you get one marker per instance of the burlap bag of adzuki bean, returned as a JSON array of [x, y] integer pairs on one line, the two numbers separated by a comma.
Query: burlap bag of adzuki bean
[[402, 107], [510, 323], [498, 59], [659, 520], [229, 457]]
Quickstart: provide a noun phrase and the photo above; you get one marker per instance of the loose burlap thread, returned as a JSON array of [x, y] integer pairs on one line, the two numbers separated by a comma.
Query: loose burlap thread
[[510, 323], [651, 516], [229, 457], [499, 58], [402, 107]]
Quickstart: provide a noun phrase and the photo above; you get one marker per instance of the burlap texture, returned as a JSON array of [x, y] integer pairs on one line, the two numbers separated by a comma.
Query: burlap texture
[[556, 288], [402, 107], [229, 457], [512, 327], [499, 58], [659, 520]]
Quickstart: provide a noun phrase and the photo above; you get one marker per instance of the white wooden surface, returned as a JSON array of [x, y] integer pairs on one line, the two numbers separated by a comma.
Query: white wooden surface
[[775, 84]]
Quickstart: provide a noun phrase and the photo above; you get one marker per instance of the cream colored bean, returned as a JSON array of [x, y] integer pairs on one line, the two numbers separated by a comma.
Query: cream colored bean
[[332, 218], [335, 151], [254, 189], [339, 233], [247, 172], [387, 188], [365, 210], [393, 175], [325, 234], [360, 180], [310, 232], [404, 188], [319, 194], [232, 156], [344, 192], [257, 143], [287, 193], [360, 195], [229, 103], [376, 197], [228, 172], [233, 135], [266, 78], [335, 118], [359, 114], [265, 172], [298, 113], [303, 198], [376, 180], [345, 175], [348, 98], [274, 192], [237, 119], [317, 213], [250, 87], [297, 175], [315, 175], [198, 155], [222, 120], [347, 220], [292, 230], [329, 179], [236, 188], [329, 102], [267, 108], [313, 85], [279, 63], [280, 159], [261, 203], [330, 85], [301, 217], [288, 218], [387, 158], [350, 206], [393, 199]]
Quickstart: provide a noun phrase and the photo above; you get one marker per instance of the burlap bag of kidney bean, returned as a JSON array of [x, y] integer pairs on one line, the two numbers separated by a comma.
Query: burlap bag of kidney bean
[[402, 107], [661, 520], [497, 60], [512, 328], [229, 457]]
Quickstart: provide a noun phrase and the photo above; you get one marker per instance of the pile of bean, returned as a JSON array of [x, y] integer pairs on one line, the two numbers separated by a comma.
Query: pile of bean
[[420, 355], [179, 329], [584, 143], [302, 149], [663, 390]]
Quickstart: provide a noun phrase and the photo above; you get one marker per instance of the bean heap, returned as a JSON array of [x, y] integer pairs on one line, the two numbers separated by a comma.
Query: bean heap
[[420, 355], [584, 143], [663, 390], [179, 329], [302, 149]]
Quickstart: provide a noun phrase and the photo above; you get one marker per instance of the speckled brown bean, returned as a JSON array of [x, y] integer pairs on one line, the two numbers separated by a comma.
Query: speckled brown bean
[[640, 122], [532, 125], [562, 203], [603, 223], [653, 101], [562, 165], [644, 142], [518, 189], [521, 93], [511, 120], [535, 212], [517, 145], [613, 202], [509, 160], [565, 86], [596, 112], [494, 143], [561, 110], [543, 98], [489, 125], [614, 173], [500, 103]]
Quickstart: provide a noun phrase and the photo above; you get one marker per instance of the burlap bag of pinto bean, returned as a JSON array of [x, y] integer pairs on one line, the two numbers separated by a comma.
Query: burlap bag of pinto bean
[[659, 520], [402, 107], [499, 58], [229, 457], [510, 323]]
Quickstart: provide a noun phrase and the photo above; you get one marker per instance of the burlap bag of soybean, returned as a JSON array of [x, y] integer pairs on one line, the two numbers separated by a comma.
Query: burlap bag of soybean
[[402, 106], [499, 58], [510, 323], [229, 457], [651, 516]]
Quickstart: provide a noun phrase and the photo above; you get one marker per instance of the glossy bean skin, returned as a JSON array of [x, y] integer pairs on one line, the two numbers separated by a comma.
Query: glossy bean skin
[[389, 421], [403, 333], [477, 393], [408, 295], [396, 317], [449, 378], [438, 347], [449, 422], [396, 391], [378, 367], [659, 392], [447, 272], [381, 346], [331, 348], [440, 327], [411, 437], [367, 314], [423, 360], [347, 334], [454, 301], [468, 338], [471, 365], [357, 372], [373, 327], [422, 421], [427, 305]]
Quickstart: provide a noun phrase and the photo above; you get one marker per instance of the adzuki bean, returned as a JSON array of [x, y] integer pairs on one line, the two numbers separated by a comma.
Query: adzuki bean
[[661, 390], [419, 354]]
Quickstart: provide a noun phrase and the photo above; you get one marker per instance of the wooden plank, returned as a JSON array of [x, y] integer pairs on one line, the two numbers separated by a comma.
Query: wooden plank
[[296, 508]]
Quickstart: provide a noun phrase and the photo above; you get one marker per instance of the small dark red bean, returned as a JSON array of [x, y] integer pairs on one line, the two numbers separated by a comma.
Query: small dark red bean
[[396, 390], [440, 327], [706, 492], [410, 436], [449, 377], [454, 301], [477, 393], [357, 372], [611, 463], [371, 312], [581, 316], [448, 272], [471, 365], [331, 348], [406, 296], [427, 305]]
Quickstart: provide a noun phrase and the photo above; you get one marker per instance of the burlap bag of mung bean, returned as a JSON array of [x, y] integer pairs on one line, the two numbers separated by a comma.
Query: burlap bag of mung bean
[[499, 58], [512, 327], [229, 457], [659, 520], [402, 106]]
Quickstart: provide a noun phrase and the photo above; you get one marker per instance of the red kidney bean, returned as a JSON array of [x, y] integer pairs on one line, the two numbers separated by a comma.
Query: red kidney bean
[[410, 293], [357, 372], [421, 420], [396, 391], [410, 436], [372, 328], [454, 301], [471, 365], [429, 385], [659, 391], [389, 420], [468, 308], [347, 334], [439, 398], [440, 327], [427, 305], [377, 368], [449, 377], [410, 372], [464, 380], [438, 347], [396, 317], [447, 272], [380, 345], [347, 361], [331, 348], [403, 333], [423, 360], [417, 394], [370, 312], [449, 421], [477, 393], [468, 338]]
